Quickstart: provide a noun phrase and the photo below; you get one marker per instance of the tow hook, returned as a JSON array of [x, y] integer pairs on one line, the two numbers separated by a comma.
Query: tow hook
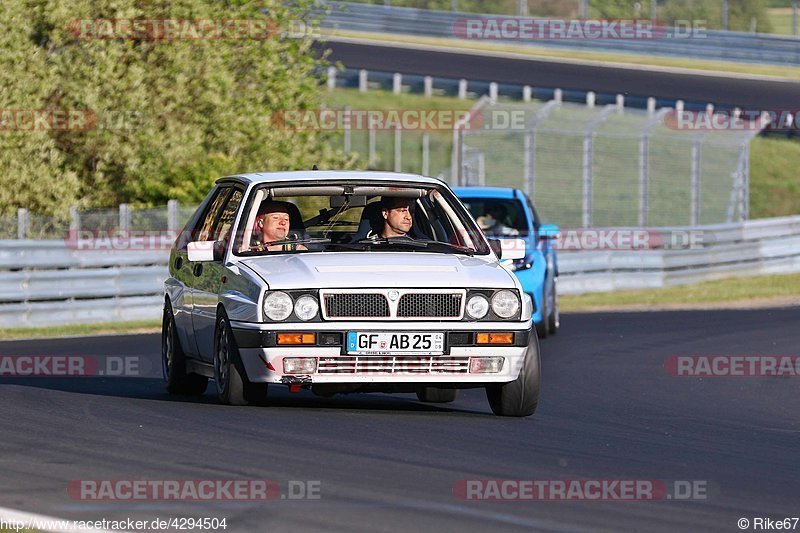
[[296, 382]]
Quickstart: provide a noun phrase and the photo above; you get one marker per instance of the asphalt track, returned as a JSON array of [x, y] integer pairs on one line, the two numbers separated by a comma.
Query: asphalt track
[[609, 410], [745, 93]]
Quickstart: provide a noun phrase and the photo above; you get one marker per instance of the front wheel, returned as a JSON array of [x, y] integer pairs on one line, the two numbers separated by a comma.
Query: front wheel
[[233, 387], [434, 395], [521, 396]]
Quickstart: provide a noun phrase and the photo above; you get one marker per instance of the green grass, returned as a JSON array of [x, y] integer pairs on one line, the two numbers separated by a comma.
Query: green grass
[[140, 326], [749, 289], [774, 183], [551, 53], [781, 20]]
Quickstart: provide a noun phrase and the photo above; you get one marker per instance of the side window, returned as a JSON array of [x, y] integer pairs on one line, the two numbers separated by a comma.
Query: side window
[[222, 230], [206, 226]]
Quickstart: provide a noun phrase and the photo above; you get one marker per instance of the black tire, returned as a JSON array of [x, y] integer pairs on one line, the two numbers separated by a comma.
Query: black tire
[[521, 396], [541, 327], [233, 387], [435, 395], [554, 320], [173, 360]]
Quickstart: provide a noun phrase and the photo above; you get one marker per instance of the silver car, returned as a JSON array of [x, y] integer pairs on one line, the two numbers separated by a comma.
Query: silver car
[[340, 302]]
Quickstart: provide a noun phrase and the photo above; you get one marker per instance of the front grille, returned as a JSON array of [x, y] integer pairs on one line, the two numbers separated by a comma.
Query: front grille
[[369, 305], [393, 365], [427, 305]]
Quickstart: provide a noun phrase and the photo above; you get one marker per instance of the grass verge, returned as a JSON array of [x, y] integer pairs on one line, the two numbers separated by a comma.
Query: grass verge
[[121, 328], [782, 289], [688, 64]]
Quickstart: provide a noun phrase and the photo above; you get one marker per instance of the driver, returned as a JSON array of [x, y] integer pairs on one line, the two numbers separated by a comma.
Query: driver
[[396, 212], [272, 224]]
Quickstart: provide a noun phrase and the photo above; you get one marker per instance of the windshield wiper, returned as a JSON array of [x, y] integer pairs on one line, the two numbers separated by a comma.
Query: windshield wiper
[[395, 241], [448, 246]]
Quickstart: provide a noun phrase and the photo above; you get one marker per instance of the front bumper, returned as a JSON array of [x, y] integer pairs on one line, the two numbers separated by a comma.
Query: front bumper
[[263, 359]]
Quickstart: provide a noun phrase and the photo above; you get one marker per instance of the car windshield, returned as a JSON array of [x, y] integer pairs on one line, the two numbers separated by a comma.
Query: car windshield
[[333, 217], [499, 217]]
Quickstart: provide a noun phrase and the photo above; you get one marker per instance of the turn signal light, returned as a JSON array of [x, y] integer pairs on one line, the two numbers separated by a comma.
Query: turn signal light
[[297, 338], [495, 338]]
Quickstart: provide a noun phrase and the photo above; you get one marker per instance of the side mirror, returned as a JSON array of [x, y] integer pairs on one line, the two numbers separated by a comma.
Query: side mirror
[[513, 248], [204, 251], [508, 248], [548, 231]]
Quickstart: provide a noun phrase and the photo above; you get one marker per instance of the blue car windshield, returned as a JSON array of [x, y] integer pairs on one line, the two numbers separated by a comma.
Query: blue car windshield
[[498, 217]]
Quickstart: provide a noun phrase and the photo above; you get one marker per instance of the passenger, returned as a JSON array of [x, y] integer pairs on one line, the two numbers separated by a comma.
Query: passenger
[[396, 214], [273, 224], [492, 225]]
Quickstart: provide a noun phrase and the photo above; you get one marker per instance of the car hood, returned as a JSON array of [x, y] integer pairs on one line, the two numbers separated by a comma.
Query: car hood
[[379, 269]]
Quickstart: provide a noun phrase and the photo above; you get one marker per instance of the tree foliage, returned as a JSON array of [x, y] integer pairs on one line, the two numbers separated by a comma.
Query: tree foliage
[[168, 116]]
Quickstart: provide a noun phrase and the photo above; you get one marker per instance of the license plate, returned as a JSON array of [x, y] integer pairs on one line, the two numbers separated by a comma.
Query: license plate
[[385, 343]]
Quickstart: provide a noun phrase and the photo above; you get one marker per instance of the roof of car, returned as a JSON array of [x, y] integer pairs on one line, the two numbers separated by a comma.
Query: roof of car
[[325, 175], [484, 192]]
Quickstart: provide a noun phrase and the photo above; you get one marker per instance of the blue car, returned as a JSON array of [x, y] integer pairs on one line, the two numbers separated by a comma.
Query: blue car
[[509, 213]]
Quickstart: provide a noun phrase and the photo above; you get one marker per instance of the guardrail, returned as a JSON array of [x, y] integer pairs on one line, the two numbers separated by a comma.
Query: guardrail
[[49, 283], [754, 247], [714, 44]]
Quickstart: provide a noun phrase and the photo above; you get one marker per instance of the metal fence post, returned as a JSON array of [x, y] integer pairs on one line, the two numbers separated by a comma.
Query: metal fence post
[[427, 83], [426, 153], [347, 140], [373, 160], [124, 217], [462, 89], [527, 92], [397, 83], [586, 209], [74, 222], [644, 163], [398, 146], [455, 157], [362, 80], [331, 78], [644, 176], [746, 182], [528, 158], [23, 223], [694, 214], [173, 211]]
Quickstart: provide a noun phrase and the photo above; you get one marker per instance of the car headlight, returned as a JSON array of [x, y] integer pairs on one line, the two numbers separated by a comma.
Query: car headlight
[[306, 307], [278, 305], [505, 304], [477, 306]]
